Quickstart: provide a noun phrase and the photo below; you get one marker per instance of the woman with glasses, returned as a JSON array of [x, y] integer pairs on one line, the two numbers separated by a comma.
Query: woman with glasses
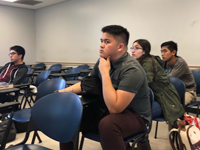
[[167, 101]]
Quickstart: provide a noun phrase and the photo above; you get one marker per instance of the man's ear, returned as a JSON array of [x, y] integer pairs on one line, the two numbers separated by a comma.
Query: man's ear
[[121, 47], [20, 56], [174, 52]]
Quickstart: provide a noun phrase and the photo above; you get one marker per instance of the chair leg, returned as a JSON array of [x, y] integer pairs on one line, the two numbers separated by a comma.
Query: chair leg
[[156, 129], [81, 144], [34, 136], [198, 110]]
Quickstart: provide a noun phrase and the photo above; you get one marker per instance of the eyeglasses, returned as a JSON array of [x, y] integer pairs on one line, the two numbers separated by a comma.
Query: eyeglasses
[[135, 48], [12, 54]]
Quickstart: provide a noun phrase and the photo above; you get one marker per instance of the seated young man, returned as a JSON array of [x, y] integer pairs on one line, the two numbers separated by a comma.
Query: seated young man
[[15, 71], [177, 67], [125, 92]]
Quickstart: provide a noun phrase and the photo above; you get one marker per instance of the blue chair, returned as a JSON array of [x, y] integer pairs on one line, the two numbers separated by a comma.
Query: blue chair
[[180, 87], [188, 107], [29, 70], [72, 70], [56, 68], [45, 88], [58, 116], [42, 65], [43, 76], [134, 138], [84, 66], [196, 74]]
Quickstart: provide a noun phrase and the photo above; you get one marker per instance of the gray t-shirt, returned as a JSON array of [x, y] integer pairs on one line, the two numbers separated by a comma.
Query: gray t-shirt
[[128, 75], [181, 70]]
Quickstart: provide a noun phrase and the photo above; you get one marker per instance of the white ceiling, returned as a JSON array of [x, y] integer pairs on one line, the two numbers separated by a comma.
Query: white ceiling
[[37, 6]]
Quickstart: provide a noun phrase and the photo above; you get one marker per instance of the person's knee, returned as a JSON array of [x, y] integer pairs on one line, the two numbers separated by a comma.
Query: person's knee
[[105, 124]]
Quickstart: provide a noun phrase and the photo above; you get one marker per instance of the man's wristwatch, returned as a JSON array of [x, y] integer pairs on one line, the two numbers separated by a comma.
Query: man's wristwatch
[[56, 91]]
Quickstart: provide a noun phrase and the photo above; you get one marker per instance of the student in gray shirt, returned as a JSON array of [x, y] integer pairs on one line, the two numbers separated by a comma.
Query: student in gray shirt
[[125, 93], [177, 67]]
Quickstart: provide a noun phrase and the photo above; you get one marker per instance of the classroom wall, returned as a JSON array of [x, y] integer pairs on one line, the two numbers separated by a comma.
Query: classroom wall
[[71, 31], [17, 27]]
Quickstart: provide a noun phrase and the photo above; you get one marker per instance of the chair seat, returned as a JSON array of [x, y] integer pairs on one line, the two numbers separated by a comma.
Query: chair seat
[[196, 103], [28, 147], [159, 119], [22, 115], [91, 135]]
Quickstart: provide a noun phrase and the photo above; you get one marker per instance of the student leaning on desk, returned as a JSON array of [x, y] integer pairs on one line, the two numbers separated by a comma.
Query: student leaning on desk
[[15, 71], [125, 91]]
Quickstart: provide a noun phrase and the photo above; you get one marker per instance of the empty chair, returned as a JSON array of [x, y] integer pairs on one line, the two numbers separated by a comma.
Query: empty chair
[[45, 88], [29, 70], [61, 125], [40, 66], [72, 70], [134, 138], [43, 76], [84, 66], [56, 68], [196, 74]]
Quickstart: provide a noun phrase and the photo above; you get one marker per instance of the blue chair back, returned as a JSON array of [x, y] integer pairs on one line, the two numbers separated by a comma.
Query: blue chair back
[[58, 115], [42, 77], [49, 86], [180, 87], [56, 68], [39, 65], [196, 74], [72, 70], [29, 70], [81, 67]]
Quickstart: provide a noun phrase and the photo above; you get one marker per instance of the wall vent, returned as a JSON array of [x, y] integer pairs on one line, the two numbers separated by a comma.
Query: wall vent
[[28, 2]]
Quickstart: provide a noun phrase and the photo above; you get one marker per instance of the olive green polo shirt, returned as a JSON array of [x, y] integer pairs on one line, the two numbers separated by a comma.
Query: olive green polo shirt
[[128, 75]]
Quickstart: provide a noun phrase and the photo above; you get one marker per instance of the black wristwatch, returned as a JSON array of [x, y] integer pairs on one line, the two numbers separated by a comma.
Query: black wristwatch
[[56, 91]]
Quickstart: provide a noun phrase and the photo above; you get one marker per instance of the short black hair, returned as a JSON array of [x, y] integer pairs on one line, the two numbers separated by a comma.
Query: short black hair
[[171, 45], [20, 50], [117, 30]]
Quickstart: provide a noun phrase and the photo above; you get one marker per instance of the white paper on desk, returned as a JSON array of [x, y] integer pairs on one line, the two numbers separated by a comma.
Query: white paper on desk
[[4, 85]]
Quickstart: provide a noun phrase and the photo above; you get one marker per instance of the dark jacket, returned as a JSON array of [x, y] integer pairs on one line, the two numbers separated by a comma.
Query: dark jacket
[[17, 75], [164, 92]]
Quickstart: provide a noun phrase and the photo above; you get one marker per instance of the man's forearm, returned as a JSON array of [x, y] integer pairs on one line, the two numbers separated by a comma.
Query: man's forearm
[[76, 88], [109, 93]]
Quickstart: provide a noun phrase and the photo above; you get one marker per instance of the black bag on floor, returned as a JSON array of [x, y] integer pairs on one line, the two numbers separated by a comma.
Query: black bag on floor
[[3, 124]]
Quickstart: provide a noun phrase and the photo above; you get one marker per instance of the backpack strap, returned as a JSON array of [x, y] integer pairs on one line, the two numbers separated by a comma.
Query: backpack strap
[[174, 137]]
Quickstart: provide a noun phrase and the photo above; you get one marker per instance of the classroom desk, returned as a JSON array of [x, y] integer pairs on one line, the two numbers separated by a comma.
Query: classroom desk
[[6, 91], [38, 68], [64, 75], [9, 90], [86, 71], [63, 69], [72, 82]]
